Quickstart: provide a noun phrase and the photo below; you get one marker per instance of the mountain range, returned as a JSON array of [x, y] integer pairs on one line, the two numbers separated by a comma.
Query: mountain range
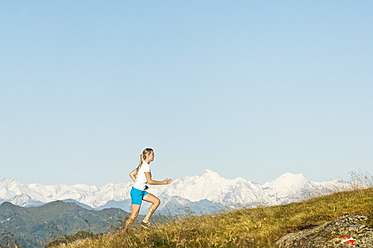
[[207, 193]]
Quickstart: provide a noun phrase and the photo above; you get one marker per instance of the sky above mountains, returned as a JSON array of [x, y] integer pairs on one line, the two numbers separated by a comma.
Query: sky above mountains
[[246, 88]]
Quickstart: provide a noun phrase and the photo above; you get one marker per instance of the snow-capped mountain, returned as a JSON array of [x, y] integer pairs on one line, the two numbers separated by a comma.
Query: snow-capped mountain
[[196, 193]]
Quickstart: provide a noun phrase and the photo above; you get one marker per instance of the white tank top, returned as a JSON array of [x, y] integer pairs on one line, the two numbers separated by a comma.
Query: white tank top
[[141, 182]]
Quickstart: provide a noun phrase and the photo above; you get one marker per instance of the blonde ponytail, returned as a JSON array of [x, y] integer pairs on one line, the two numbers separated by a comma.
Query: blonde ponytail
[[144, 155], [138, 167]]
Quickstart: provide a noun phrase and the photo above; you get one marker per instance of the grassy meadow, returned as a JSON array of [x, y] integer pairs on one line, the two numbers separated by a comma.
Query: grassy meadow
[[253, 227]]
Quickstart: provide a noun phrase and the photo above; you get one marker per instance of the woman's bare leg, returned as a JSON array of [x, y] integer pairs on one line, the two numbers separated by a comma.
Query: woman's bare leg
[[135, 209], [153, 199]]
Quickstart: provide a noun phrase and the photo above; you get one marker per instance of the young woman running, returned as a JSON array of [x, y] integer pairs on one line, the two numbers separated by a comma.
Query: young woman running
[[142, 177]]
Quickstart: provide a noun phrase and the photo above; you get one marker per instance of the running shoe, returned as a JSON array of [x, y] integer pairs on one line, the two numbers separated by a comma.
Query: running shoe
[[145, 224]]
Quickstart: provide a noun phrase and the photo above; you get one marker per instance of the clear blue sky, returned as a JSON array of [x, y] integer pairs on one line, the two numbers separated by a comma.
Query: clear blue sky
[[248, 89]]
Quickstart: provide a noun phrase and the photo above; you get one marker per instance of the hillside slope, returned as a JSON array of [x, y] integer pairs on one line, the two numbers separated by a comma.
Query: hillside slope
[[255, 227]]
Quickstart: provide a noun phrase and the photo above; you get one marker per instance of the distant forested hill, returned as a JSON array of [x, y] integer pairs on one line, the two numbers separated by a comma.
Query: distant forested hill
[[37, 226]]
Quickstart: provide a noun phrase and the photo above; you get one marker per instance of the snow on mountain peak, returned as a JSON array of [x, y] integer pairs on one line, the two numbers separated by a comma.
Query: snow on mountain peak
[[292, 176], [7, 180], [211, 174], [289, 178], [286, 183]]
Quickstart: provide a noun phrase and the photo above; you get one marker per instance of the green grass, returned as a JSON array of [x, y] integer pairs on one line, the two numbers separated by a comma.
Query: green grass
[[254, 227]]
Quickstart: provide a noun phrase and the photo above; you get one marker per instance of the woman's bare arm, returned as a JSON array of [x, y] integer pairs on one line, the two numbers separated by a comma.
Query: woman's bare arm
[[153, 182], [133, 174]]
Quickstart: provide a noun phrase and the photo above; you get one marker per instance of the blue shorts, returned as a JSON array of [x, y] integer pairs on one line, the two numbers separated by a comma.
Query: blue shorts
[[137, 195]]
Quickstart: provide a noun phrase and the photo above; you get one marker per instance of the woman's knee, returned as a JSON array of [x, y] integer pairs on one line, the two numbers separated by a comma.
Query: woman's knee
[[152, 199]]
